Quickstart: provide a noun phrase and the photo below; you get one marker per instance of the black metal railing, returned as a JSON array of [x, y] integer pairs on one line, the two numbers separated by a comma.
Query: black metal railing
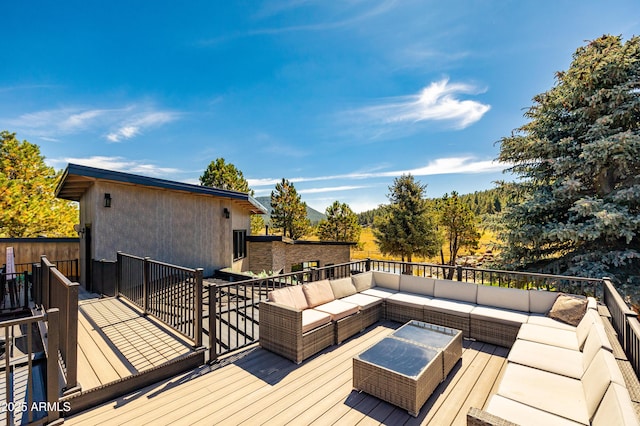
[[233, 308], [172, 294], [31, 390], [513, 279]]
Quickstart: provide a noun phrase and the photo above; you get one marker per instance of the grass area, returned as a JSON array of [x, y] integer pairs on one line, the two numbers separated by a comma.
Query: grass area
[[370, 249]]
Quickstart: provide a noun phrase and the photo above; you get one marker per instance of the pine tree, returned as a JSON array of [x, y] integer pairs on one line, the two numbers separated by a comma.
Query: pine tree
[[578, 167], [341, 224], [407, 226], [289, 212], [458, 224]]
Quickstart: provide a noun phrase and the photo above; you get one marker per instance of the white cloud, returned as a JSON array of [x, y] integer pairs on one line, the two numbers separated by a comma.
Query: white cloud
[[329, 189], [116, 124], [132, 127], [440, 166], [437, 102], [118, 164]]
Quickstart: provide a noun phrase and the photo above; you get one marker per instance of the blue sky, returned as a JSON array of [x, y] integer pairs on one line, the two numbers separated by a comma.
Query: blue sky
[[338, 97]]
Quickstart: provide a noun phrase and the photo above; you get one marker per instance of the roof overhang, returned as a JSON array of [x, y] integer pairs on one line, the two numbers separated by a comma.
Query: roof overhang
[[77, 179]]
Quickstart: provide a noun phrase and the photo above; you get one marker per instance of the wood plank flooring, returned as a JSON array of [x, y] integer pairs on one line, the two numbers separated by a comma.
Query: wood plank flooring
[[258, 387], [115, 341]]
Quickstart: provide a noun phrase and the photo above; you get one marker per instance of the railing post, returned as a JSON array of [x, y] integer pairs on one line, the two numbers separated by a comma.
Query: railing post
[[459, 272], [25, 282], [213, 332], [367, 265], [53, 343], [71, 341], [197, 329], [146, 280], [44, 276], [118, 272]]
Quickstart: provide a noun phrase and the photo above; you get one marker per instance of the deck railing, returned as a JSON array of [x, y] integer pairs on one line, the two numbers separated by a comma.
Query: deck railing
[[172, 294], [233, 307], [21, 403], [625, 322], [57, 291], [514, 279]]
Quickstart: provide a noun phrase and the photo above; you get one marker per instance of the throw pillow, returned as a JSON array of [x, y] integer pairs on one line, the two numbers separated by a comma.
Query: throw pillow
[[568, 309]]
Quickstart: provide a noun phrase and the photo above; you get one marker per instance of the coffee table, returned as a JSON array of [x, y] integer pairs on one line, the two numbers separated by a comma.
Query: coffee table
[[407, 366]]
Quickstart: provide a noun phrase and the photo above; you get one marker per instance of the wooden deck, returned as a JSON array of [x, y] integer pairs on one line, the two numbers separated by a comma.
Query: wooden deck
[[258, 387], [115, 341]]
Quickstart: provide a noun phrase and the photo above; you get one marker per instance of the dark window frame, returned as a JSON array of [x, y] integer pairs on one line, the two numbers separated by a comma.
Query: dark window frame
[[239, 244]]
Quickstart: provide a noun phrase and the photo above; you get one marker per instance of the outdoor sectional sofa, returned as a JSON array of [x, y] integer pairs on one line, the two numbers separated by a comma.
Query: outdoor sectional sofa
[[556, 373]]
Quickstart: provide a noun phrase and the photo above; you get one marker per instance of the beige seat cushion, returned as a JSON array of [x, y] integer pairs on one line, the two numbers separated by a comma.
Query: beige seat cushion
[[407, 299], [545, 391], [417, 285], [454, 290], [541, 301], [313, 319], [549, 336], [318, 293], [338, 309], [522, 414], [558, 337], [502, 297], [343, 287], [568, 309], [544, 320], [382, 293], [549, 358], [292, 296], [502, 316], [363, 300], [616, 408], [451, 307]]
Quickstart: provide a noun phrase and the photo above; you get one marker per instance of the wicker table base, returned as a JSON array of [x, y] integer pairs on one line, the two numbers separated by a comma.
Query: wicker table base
[[406, 367]]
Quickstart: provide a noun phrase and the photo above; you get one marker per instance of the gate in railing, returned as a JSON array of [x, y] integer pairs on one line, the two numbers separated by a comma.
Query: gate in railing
[[172, 294]]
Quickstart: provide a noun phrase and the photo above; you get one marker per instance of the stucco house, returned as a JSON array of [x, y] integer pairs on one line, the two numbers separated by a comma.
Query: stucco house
[[173, 222]]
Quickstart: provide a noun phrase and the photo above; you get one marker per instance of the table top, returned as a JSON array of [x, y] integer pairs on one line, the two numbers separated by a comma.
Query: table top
[[400, 356], [410, 349], [422, 333]]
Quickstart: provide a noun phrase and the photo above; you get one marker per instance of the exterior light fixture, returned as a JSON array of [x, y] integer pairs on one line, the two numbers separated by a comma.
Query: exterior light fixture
[[226, 213], [107, 199]]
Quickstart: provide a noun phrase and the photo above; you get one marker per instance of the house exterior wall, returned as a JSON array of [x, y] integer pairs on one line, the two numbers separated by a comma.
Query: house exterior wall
[[180, 228], [281, 255]]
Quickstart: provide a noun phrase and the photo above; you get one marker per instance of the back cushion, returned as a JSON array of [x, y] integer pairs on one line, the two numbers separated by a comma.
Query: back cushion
[[540, 301], [417, 285], [290, 296], [455, 290], [318, 292], [616, 408], [363, 281], [386, 280], [602, 371], [502, 297], [343, 287], [596, 340], [582, 330]]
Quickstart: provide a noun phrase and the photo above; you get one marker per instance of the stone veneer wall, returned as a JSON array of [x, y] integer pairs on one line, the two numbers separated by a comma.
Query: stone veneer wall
[[280, 255]]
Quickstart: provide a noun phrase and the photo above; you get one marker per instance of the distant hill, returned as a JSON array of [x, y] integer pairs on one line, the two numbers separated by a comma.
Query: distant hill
[[314, 215]]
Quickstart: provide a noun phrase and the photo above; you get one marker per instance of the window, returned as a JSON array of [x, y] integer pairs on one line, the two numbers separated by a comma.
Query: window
[[305, 266], [239, 244]]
